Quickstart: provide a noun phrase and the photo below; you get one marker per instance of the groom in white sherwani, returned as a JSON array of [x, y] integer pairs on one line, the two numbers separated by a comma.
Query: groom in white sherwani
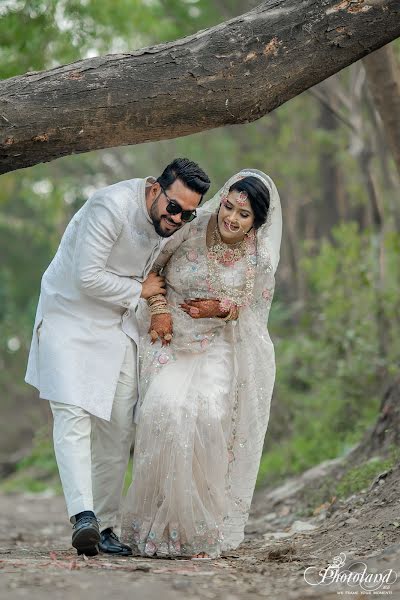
[[83, 352]]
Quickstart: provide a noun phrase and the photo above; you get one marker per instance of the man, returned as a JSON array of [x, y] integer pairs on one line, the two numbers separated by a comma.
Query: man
[[83, 351]]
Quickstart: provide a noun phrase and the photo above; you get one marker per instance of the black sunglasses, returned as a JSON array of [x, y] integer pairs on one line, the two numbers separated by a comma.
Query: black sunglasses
[[174, 208]]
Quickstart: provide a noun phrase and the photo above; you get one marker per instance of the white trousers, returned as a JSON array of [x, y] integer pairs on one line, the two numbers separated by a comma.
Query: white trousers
[[92, 454]]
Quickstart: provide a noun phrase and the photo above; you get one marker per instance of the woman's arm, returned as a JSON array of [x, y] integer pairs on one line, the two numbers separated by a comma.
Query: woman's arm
[[169, 248], [161, 326]]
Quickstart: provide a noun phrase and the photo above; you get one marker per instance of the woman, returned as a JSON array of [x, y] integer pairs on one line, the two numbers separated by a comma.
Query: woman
[[206, 386]]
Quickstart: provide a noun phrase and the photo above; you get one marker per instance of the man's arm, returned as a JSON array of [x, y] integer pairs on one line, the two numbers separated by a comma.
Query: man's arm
[[98, 233]]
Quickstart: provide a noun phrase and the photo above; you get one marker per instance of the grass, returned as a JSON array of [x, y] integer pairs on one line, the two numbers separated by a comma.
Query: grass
[[128, 477], [38, 472], [353, 480], [321, 431], [361, 477]]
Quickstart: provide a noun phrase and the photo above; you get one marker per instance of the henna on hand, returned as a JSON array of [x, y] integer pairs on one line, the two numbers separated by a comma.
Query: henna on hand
[[161, 326], [198, 308]]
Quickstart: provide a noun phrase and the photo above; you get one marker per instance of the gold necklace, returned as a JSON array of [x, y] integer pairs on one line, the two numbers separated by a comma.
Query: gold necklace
[[221, 253]]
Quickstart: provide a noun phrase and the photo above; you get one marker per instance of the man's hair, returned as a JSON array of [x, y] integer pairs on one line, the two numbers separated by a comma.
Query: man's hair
[[189, 172]]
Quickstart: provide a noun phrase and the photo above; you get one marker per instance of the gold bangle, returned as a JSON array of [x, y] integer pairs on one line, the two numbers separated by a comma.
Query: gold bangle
[[156, 298], [160, 311], [232, 315], [156, 305]]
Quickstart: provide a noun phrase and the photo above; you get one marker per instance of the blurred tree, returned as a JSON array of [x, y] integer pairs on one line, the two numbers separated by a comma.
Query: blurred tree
[[383, 74], [332, 200]]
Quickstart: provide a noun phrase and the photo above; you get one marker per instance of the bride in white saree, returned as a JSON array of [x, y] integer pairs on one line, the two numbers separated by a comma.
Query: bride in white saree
[[206, 387]]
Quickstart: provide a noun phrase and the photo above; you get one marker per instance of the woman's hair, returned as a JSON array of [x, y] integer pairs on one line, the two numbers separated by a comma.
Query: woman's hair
[[189, 172], [258, 195]]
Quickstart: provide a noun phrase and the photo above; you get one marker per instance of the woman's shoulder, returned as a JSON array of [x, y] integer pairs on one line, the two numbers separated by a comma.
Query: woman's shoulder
[[200, 223]]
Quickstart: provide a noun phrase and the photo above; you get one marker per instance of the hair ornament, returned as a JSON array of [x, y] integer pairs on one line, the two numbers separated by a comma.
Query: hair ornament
[[242, 198]]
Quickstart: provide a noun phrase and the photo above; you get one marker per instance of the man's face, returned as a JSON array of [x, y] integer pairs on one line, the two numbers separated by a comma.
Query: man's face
[[164, 223]]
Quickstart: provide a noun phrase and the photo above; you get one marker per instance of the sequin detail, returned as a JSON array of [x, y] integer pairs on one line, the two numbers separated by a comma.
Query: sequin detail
[[221, 253]]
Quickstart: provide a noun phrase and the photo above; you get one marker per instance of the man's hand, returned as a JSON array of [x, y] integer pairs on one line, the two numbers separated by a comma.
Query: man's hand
[[198, 308], [162, 326], [152, 285]]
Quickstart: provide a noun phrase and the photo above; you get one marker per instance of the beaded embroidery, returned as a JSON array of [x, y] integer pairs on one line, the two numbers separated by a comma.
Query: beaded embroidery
[[221, 253]]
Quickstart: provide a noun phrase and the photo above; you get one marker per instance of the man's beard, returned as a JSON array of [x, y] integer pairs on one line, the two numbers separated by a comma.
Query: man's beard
[[157, 222]]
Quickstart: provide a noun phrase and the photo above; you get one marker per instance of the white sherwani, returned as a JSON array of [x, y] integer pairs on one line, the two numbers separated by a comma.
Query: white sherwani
[[88, 298], [83, 351]]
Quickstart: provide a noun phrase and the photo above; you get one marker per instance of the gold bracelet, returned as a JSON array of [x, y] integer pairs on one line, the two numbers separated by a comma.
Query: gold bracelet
[[232, 315], [160, 311], [158, 305], [156, 298], [228, 317]]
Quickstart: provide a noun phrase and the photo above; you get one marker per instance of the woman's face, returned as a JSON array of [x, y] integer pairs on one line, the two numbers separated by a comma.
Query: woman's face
[[235, 217]]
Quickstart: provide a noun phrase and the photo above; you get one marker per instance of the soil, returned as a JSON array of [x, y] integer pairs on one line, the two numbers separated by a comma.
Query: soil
[[37, 561]]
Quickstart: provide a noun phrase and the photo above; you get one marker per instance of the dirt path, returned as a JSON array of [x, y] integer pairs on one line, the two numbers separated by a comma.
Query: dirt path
[[37, 561]]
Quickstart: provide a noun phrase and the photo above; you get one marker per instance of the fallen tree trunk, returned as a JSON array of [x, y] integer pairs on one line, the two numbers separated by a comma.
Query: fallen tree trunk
[[235, 72]]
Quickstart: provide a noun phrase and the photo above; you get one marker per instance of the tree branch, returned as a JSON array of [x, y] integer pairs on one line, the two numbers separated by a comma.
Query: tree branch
[[235, 72]]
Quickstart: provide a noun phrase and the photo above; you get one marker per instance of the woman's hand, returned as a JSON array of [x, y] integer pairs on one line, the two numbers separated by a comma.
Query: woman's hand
[[199, 308], [161, 327]]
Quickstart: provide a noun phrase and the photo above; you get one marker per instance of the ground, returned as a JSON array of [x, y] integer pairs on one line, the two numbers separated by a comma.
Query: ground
[[37, 561]]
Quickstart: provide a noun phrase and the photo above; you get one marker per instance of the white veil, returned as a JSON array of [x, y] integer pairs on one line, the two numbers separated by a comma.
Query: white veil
[[254, 365], [268, 235]]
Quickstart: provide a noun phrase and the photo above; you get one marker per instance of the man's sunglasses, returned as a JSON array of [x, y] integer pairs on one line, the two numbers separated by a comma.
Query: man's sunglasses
[[174, 208]]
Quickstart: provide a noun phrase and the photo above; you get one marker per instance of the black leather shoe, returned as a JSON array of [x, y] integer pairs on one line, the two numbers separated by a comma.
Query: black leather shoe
[[86, 535], [110, 544]]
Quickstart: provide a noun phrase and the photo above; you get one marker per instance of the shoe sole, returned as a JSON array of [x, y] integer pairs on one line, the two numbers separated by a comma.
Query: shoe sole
[[92, 551], [115, 553], [85, 541]]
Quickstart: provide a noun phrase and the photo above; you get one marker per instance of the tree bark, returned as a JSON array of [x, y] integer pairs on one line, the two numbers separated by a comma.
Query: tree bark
[[383, 75], [328, 202], [385, 434], [235, 72]]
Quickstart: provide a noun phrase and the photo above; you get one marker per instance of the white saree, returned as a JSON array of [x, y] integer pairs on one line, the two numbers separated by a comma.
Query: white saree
[[205, 400]]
